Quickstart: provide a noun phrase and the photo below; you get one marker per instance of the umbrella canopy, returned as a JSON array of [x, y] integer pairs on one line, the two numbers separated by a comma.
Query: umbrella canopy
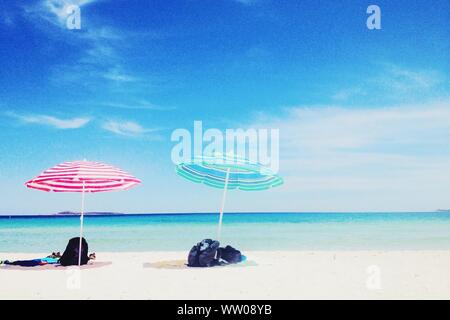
[[83, 176], [227, 172], [242, 174]]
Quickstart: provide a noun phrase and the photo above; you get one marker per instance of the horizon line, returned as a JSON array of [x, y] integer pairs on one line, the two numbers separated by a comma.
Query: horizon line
[[112, 214]]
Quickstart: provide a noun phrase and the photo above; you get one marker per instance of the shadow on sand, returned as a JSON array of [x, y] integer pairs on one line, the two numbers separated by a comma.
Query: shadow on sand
[[181, 264]]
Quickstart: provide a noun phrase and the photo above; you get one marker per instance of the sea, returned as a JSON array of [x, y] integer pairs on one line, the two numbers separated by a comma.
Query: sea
[[245, 231]]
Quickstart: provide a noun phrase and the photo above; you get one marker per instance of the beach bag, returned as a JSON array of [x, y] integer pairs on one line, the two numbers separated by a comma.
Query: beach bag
[[230, 254], [204, 254], [70, 255]]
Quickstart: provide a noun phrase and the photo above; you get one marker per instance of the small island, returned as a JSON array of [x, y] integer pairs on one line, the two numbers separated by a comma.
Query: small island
[[71, 213]]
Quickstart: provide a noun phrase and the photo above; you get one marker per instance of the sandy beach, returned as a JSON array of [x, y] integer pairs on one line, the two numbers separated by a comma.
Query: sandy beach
[[266, 275]]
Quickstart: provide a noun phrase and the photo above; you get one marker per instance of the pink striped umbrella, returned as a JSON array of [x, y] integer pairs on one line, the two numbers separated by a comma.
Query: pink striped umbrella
[[83, 176]]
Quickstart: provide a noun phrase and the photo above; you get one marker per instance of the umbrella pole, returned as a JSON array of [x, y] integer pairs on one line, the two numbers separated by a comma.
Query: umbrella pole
[[224, 197], [81, 225]]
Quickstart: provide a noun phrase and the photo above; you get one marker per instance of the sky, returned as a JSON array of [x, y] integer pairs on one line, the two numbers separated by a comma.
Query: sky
[[363, 115]]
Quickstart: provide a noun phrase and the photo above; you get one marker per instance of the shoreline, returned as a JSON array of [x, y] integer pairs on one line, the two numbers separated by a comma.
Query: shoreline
[[145, 252], [362, 274]]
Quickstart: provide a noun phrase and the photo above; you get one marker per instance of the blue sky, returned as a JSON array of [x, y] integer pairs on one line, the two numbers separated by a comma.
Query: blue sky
[[364, 115]]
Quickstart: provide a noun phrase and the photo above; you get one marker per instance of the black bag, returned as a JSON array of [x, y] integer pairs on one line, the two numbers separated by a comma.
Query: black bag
[[70, 255], [204, 254], [230, 254]]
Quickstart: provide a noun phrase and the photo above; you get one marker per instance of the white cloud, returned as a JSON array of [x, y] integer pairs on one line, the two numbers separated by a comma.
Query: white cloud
[[395, 83], [126, 128], [50, 9], [99, 45], [73, 123], [405, 79], [335, 127], [405, 84], [116, 75], [361, 144], [138, 105]]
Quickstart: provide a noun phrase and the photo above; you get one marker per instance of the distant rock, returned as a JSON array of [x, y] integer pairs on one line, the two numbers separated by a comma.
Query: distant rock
[[443, 210], [71, 213], [67, 213]]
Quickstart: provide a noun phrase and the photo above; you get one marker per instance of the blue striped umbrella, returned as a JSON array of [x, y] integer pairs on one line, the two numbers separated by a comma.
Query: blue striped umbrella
[[225, 173]]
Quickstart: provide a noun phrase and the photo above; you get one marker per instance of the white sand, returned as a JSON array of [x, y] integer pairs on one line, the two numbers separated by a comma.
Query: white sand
[[277, 275]]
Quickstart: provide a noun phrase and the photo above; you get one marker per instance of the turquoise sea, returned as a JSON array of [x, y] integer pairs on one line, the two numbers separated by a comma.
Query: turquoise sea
[[246, 231]]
